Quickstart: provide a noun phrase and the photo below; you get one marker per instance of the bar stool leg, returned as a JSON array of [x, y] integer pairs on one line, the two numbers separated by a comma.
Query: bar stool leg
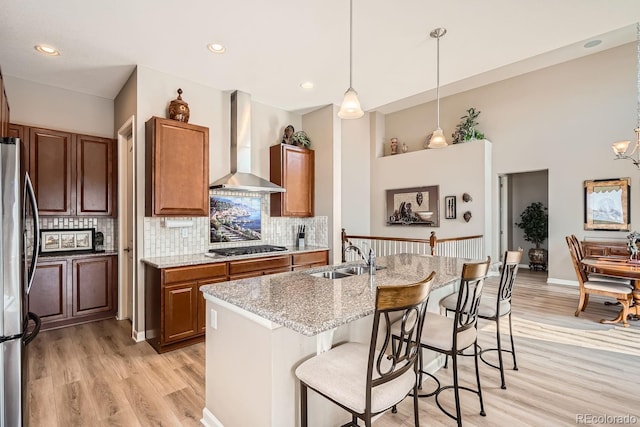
[[303, 405], [513, 347], [475, 351], [500, 362]]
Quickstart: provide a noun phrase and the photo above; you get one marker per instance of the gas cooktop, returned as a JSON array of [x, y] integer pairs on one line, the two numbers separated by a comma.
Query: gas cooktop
[[246, 250]]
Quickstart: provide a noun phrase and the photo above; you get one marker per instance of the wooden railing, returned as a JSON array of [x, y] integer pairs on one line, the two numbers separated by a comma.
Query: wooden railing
[[462, 247]]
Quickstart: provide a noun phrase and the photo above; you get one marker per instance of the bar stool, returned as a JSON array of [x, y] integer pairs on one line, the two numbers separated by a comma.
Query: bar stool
[[494, 307], [451, 336], [366, 380]]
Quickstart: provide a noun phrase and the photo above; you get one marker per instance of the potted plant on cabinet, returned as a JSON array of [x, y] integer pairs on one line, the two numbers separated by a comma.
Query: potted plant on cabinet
[[534, 221], [466, 129]]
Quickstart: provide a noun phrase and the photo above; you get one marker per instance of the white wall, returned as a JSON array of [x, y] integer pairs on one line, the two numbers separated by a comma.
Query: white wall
[[356, 169], [562, 119], [55, 108], [325, 131]]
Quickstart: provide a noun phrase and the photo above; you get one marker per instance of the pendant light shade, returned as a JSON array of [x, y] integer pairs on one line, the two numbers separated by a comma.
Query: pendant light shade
[[350, 107], [437, 137]]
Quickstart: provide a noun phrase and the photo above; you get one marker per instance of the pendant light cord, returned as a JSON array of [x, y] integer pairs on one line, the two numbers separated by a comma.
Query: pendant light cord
[[438, 78], [350, 42], [638, 72]]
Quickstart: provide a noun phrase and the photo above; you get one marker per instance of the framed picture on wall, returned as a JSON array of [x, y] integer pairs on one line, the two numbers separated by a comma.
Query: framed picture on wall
[[63, 240], [607, 204], [450, 207], [414, 206]]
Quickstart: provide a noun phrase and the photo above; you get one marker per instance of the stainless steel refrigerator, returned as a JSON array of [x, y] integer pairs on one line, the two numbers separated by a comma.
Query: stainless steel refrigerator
[[19, 247]]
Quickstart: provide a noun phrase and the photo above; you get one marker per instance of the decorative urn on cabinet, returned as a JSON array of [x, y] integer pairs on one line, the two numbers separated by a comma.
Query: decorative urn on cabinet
[[178, 109]]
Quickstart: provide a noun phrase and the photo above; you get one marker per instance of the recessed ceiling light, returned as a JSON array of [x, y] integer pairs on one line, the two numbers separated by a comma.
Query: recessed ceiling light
[[47, 50], [216, 48], [307, 85], [592, 43]]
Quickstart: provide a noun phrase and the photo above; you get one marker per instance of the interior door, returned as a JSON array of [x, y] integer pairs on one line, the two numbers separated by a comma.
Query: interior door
[[131, 228]]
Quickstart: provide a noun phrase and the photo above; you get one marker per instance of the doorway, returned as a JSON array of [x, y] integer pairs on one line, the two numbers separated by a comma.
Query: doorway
[[126, 225], [517, 191]]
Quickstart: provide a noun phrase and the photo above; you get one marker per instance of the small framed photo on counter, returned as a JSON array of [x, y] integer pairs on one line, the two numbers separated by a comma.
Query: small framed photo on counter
[[65, 240]]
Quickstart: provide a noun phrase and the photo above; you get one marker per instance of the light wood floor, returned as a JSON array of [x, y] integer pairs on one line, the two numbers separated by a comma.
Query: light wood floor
[[94, 374]]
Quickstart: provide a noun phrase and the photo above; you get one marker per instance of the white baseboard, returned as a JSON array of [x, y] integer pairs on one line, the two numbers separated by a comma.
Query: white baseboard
[[137, 336], [573, 283], [210, 420]]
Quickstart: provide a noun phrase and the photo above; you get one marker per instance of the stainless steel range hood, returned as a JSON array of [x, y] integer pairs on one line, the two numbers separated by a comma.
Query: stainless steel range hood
[[241, 178]]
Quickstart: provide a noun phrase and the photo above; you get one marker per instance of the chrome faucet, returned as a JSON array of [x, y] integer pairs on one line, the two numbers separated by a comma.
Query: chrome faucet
[[369, 260]]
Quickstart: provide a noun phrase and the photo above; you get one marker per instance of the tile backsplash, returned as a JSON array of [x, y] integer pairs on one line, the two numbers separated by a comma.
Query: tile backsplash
[[107, 226], [162, 241]]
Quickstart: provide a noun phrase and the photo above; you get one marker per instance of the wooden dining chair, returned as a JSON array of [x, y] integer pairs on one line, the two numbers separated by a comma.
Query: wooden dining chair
[[368, 379], [595, 276], [620, 291]]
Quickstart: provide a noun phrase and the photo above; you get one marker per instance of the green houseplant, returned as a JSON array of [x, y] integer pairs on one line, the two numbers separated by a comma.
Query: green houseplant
[[466, 129], [301, 139], [534, 221]]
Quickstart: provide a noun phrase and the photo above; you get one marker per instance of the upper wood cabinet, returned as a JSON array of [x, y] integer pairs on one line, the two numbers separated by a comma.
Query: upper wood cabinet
[[294, 169], [72, 174], [95, 177], [177, 168], [51, 156], [18, 131]]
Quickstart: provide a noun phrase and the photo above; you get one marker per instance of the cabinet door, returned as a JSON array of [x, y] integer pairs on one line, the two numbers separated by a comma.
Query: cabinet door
[[180, 311], [95, 176], [177, 168], [92, 285], [48, 296], [50, 170], [293, 168], [4, 110], [18, 131]]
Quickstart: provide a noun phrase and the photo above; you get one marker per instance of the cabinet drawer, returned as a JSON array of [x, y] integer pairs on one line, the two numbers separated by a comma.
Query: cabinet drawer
[[199, 272], [310, 258], [260, 264]]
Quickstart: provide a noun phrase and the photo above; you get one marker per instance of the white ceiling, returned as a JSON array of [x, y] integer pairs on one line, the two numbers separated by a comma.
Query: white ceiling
[[273, 46]]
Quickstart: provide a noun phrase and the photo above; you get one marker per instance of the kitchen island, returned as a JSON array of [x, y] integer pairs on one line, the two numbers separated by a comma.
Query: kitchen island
[[258, 330]]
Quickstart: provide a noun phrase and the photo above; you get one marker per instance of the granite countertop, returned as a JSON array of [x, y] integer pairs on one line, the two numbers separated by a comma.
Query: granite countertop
[[311, 305], [195, 259]]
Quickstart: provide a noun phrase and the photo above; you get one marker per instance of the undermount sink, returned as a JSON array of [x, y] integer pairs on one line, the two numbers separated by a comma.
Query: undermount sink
[[340, 273], [330, 274], [354, 270]]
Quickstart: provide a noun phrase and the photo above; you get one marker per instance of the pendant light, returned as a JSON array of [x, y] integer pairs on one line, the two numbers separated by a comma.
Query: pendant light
[[350, 107], [437, 137]]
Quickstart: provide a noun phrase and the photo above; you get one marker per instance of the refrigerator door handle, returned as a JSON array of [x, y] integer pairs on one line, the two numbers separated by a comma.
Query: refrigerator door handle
[[28, 190], [36, 319]]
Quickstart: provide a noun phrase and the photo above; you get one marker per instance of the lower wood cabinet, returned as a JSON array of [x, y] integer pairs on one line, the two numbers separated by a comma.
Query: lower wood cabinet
[[174, 306], [175, 309], [75, 290]]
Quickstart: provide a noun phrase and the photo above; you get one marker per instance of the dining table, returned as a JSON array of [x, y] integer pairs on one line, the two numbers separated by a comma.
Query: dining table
[[618, 267]]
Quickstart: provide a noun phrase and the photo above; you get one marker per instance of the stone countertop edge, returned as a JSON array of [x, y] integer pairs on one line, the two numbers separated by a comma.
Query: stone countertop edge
[[196, 259], [311, 305], [68, 255]]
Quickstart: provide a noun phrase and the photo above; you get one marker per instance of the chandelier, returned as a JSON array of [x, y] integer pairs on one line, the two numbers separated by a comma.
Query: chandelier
[[620, 148]]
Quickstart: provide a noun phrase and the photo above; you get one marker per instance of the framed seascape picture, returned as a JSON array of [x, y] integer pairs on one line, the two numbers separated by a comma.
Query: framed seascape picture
[[67, 240], [607, 204], [235, 218], [414, 206]]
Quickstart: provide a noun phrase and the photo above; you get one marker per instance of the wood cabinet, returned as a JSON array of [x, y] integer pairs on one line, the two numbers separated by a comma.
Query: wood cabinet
[[306, 260], [18, 131], [294, 169], [174, 306], [259, 266], [76, 290], [72, 175], [175, 309], [605, 248], [177, 168]]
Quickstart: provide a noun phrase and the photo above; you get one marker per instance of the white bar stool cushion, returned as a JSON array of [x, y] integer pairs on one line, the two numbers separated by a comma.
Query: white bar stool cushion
[[341, 374]]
